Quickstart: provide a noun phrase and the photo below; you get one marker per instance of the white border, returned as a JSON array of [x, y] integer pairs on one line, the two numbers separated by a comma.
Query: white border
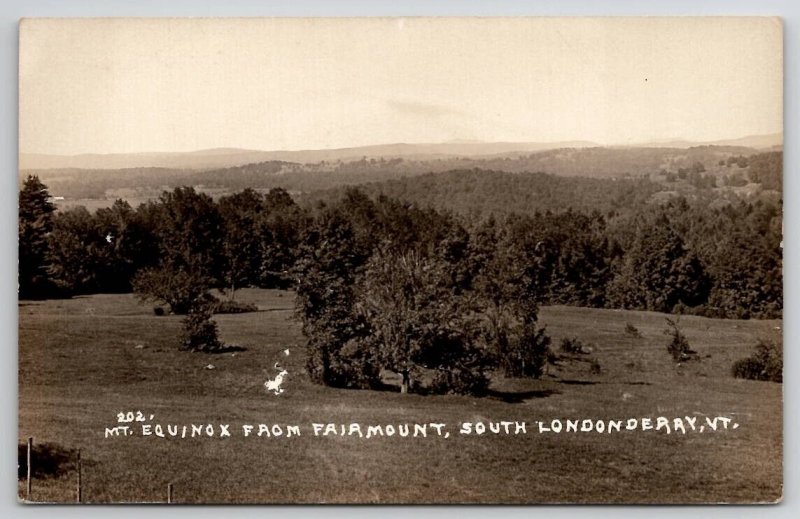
[[12, 10]]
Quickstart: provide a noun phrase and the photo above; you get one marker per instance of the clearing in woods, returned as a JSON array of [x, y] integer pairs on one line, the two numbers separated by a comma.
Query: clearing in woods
[[83, 360]]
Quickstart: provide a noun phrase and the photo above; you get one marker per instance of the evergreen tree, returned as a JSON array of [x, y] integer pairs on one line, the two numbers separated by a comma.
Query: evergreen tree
[[35, 224], [659, 272]]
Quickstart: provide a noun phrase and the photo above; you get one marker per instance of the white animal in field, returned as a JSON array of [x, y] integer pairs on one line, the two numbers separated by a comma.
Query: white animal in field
[[274, 385]]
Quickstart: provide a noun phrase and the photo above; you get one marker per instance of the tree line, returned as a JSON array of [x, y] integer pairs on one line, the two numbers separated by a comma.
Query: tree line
[[435, 296]]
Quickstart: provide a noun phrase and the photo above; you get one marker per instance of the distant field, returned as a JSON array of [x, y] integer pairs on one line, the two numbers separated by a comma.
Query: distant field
[[83, 360], [93, 204]]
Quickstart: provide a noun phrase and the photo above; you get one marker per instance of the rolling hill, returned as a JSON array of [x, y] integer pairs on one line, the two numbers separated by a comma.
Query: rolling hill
[[229, 157]]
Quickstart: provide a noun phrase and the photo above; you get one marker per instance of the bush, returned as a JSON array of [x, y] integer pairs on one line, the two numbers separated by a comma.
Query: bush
[[158, 311], [766, 363], [233, 307], [678, 347], [632, 331], [460, 382], [199, 331], [352, 366], [48, 460], [528, 355], [574, 345]]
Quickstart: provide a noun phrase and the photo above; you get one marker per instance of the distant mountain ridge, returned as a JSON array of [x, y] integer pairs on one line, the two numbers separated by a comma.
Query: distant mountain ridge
[[772, 140], [230, 157]]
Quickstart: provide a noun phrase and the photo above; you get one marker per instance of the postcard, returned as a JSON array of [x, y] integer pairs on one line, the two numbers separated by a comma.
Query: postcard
[[401, 260]]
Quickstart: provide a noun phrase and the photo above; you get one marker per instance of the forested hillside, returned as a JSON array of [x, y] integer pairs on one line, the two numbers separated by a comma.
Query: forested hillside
[[720, 162], [480, 192]]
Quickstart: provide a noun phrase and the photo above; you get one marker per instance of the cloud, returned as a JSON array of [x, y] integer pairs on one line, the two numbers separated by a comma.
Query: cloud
[[422, 109]]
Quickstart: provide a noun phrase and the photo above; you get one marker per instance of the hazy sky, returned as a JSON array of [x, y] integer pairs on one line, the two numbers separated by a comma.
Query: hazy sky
[[129, 85]]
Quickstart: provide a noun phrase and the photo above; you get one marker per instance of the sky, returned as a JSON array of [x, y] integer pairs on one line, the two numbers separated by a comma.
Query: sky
[[139, 85]]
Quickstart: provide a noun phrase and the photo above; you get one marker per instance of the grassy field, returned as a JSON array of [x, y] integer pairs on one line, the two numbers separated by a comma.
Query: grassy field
[[83, 360]]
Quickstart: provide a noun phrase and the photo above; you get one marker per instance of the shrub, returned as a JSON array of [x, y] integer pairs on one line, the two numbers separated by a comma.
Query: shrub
[[632, 331], [574, 345], [199, 331], [47, 460], [765, 363], [351, 366], [459, 381], [158, 311], [233, 307], [678, 347], [528, 354]]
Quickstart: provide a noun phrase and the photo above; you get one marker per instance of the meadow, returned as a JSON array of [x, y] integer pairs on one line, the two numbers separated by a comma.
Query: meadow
[[85, 359]]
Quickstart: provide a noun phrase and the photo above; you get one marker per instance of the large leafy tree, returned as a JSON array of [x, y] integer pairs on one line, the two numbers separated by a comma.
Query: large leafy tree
[[280, 231], [35, 224], [331, 259], [511, 275], [98, 252], [241, 213], [660, 272], [748, 277], [77, 252], [129, 244], [419, 320], [189, 233]]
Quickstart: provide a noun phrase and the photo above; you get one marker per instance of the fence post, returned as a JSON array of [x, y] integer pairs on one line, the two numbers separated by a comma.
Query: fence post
[[169, 492], [80, 492], [30, 469]]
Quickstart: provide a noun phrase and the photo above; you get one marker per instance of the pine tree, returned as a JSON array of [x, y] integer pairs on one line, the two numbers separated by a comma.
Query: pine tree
[[660, 272], [35, 224]]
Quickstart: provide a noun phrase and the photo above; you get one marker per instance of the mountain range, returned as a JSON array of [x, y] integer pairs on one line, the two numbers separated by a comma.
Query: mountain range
[[229, 157]]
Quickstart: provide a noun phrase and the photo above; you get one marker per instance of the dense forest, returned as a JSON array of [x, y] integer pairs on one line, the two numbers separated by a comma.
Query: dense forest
[[478, 192]]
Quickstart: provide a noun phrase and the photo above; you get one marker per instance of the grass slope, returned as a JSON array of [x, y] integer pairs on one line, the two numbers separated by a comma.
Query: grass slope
[[83, 360]]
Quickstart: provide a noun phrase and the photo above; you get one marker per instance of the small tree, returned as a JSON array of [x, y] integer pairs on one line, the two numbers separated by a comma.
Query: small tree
[[632, 331], [765, 363], [573, 345], [527, 353], [199, 331], [678, 346]]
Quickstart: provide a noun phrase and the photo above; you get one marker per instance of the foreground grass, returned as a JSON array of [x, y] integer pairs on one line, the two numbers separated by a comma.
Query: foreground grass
[[81, 361]]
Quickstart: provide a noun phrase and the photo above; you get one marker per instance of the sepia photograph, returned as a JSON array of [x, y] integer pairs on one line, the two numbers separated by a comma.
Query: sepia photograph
[[400, 260]]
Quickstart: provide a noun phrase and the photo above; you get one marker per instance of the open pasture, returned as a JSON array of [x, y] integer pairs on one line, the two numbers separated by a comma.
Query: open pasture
[[83, 360]]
